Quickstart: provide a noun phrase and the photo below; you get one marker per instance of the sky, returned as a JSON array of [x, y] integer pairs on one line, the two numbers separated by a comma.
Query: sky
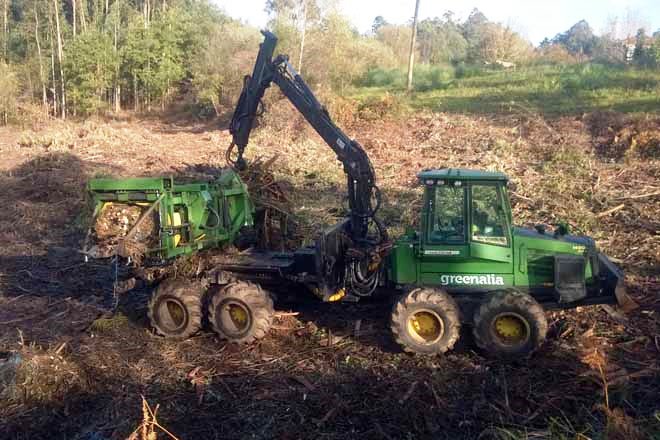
[[534, 19]]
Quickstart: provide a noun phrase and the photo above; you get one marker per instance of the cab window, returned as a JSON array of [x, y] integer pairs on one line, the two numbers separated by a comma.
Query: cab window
[[448, 218], [489, 223]]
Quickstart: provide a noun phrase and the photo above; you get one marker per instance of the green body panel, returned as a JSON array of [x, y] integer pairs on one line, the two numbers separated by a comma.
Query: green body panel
[[191, 216], [403, 262], [534, 262], [524, 258]]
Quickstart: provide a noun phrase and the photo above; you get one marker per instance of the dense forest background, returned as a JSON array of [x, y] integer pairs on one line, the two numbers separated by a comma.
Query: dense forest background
[[81, 57]]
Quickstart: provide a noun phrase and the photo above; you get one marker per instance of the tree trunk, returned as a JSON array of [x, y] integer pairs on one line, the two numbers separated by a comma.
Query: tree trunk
[[117, 86], [83, 20], [117, 98], [44, 95], [5, 27], [135, 93], [51, 43], [73, 9], [60, 56], [146, 10], [411, 60], [303, 31]]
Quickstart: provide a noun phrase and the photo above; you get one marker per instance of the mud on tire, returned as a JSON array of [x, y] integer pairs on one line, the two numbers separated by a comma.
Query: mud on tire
[[426, 321], [509, 324], [175, 308], [241, 312]]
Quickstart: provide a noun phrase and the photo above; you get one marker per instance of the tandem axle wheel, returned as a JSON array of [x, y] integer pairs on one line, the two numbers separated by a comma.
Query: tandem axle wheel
[[240, 312]]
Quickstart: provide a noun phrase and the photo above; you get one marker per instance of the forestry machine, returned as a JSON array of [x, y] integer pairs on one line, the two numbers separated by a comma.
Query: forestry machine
[[467, 263]]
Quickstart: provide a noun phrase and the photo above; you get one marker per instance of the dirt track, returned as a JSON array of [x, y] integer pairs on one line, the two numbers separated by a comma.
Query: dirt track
[[313, 376]]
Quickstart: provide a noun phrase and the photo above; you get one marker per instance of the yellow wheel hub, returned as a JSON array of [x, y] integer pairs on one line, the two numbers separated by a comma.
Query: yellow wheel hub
[[238, 315], [511, 328], [425, 326], [176, 313]]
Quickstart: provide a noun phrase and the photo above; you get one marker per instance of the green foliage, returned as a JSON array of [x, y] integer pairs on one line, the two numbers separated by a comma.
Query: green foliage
[[441, 41], [336, 55], [654, 51], [120, 54], [379, 22], [476, 40], [143, 59], [89, 66], [397, 38], [500, 43], [152, 55], [578, 40], [646, 50], [216, 81]]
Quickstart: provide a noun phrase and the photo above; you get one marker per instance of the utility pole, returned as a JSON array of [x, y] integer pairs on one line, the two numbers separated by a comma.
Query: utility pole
[[60, 56], [411, 60], [302, 36], [5, 26], [42, 77]]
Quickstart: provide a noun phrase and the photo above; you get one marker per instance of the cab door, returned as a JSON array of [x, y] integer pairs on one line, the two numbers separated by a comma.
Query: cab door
[[444, 248], [490, 230], [467, 236]]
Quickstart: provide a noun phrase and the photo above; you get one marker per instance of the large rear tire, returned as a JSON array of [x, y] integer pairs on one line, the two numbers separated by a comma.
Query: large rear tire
[[426, 321], [241, 312], [510, 324], [175, 308]]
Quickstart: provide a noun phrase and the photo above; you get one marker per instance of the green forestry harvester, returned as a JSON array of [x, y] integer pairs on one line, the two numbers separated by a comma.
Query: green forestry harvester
[[467, 264]]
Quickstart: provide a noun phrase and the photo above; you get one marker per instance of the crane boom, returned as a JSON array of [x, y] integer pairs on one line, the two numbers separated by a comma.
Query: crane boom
[[356, 261], [363, 194]]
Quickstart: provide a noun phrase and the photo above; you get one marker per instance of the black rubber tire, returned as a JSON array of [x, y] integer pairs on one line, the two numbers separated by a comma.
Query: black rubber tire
[[254, 300], [174, 296], [436, 301], [519, 305]]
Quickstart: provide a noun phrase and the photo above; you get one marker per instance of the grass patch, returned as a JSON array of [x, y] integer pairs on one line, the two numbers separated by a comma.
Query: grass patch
[[546, 89]]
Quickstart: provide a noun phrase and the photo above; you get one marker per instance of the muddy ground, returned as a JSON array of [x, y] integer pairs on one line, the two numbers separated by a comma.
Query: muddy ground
[[314, 375]]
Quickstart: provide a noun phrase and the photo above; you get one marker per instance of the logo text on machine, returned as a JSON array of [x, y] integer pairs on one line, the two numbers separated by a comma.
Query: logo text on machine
[[485, 280]]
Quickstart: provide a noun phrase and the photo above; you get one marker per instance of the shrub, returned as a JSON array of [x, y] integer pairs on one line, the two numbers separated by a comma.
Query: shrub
[[378, 77], [378, 107], [463, 70], [556, 54], [425, 77]]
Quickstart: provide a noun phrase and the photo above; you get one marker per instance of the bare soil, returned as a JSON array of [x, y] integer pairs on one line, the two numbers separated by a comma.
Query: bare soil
[[326, 371]]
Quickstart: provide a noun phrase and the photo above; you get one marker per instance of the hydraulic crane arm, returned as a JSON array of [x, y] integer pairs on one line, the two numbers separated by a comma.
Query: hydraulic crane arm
[[363, 194], [349, 255]]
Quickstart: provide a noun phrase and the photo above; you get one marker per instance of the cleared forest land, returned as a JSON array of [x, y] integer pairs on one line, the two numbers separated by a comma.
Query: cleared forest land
[[319, 374]]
